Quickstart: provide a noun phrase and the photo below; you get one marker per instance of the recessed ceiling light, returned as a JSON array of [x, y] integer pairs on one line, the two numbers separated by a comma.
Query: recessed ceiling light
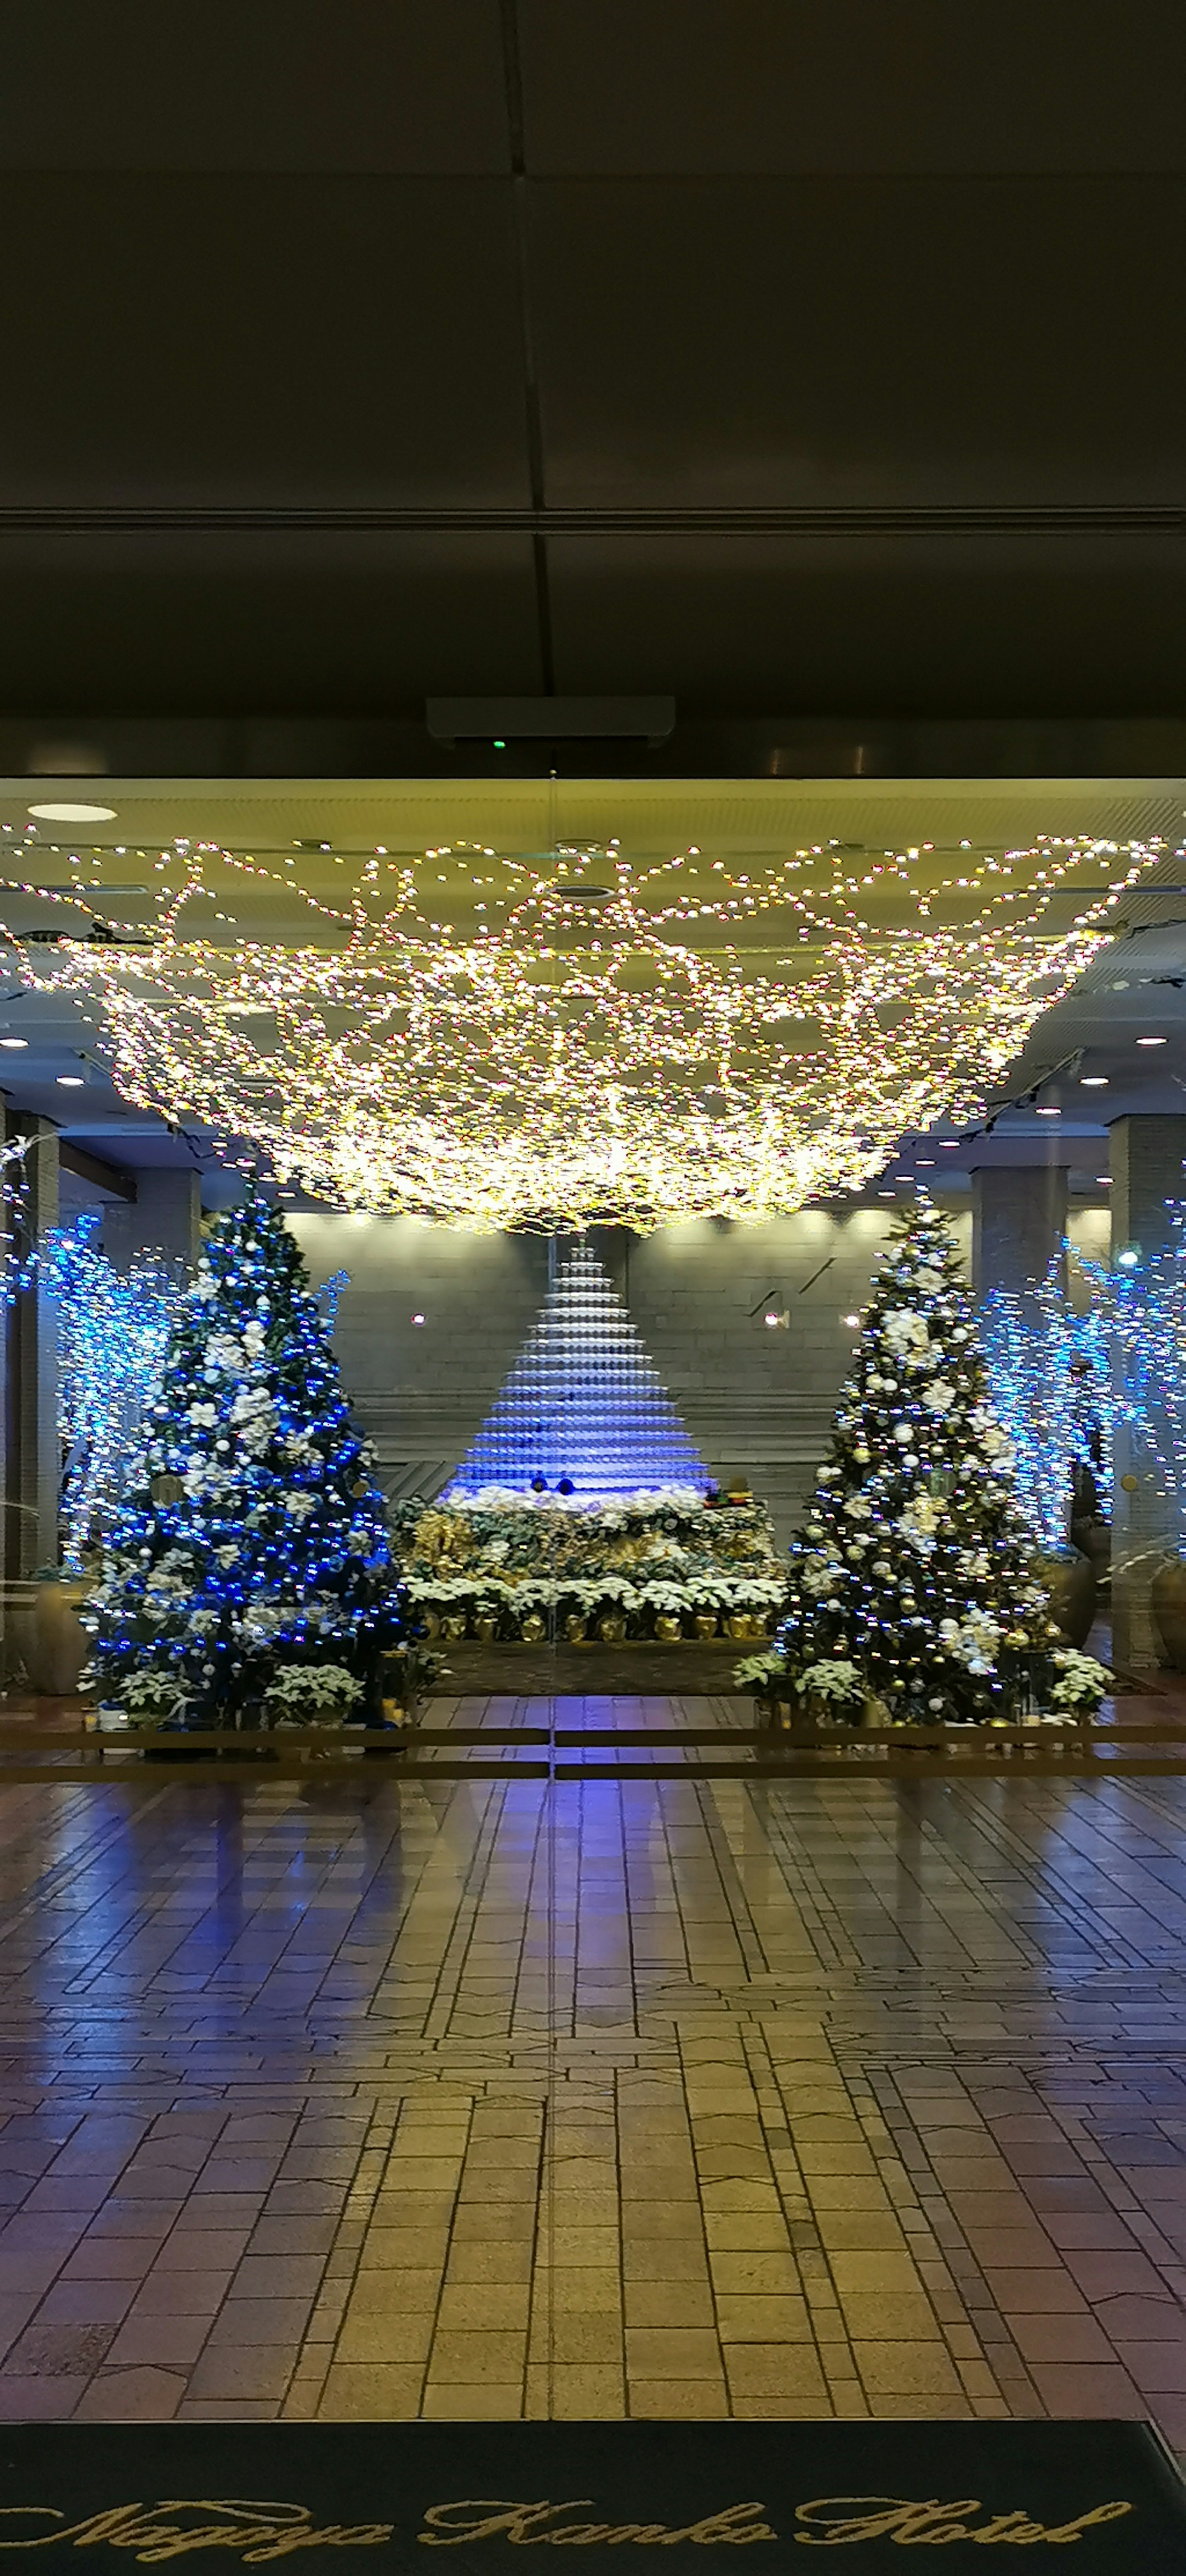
[[1152, 1041], [1093, 1082], [1049, 1113], [1104, 1179], [949, 1144], [73, 813], [926, 1162], [71, 1081], [14, 1042], [852, 1321], [417, 1319]]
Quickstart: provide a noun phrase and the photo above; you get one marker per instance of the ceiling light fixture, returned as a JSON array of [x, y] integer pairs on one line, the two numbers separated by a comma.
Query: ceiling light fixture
[[73, 813], [71, 1081], [14, 1042], [1152, 1041], [1049, 1113], [1093, 1081]]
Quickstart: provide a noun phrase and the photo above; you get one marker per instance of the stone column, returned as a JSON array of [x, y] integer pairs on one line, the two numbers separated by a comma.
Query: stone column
[[1148, 1179], [32, 1452], [1019, 1222], [165, 1216]]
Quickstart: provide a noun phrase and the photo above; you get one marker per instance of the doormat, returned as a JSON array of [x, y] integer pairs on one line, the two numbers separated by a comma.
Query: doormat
[[377, 2499]]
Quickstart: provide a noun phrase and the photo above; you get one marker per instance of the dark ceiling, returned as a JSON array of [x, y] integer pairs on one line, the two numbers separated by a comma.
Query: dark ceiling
[[812, 359]]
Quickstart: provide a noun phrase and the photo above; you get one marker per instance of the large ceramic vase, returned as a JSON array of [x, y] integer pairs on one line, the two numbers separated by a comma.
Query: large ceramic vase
[[1070, 1577], [52, 1640], [1169, 1611]]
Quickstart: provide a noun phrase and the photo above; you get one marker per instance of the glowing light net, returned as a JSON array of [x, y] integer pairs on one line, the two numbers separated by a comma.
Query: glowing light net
[[636, 1060]]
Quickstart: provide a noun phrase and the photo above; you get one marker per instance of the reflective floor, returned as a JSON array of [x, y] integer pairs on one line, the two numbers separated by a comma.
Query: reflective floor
[[665, 2098]]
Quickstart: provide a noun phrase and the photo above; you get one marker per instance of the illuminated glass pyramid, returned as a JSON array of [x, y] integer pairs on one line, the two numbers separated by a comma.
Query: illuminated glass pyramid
[[582, 1403]]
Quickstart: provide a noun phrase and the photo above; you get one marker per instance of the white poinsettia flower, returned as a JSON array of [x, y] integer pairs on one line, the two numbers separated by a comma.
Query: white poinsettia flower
[[939, 1396], [906, 1330]]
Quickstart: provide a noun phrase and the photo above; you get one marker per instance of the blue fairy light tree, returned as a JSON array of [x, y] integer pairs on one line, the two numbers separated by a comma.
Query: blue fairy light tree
[[913, 1570], [251, 1542], [1051, 1385], [112, 1336]]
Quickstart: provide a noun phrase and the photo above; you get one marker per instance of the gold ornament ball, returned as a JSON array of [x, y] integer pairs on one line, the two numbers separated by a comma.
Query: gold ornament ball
[[1129, 1484]]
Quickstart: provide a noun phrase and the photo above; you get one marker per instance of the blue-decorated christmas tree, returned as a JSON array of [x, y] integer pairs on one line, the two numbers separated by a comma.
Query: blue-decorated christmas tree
[[248, 1563], [582, 1411]]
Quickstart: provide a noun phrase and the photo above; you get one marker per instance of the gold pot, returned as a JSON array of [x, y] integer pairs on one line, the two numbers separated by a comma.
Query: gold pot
[[1070, 1579], [574, 1627], [486, 1628], [455, 1624], [431, 1620], [611, 1627], [705, 1624], [737, 1626], [532, 1629], [51, 1638], [668, 1629]]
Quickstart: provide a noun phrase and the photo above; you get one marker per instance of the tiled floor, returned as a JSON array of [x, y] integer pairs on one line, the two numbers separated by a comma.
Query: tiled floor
[[459, 2098]]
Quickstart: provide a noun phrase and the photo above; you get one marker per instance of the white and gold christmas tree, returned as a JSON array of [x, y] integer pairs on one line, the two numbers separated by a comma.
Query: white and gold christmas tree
[[582, 1408]]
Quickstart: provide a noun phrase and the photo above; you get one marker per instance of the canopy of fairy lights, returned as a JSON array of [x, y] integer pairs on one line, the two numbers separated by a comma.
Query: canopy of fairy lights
[[599, 1040]]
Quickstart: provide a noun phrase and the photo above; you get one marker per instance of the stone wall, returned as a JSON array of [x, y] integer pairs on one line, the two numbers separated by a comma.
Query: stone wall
[[754, 1399]]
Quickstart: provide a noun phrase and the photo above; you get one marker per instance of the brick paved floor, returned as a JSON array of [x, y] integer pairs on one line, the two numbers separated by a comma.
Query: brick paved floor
[[462, 2098]]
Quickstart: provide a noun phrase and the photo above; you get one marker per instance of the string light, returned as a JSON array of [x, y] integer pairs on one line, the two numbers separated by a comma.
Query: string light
[[557, 1062], [1050, 1376], [112, 1337], [1142, 1311]]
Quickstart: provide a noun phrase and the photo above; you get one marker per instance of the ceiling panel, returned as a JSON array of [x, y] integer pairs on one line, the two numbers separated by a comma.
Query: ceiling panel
[[763, 342], [223, 623], [628, 86], [261, 339], [922, 627], [382, 85]]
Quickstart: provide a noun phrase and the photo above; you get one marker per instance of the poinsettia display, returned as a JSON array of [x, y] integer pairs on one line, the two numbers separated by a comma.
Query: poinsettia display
[[915, 1563], [485, 1564]]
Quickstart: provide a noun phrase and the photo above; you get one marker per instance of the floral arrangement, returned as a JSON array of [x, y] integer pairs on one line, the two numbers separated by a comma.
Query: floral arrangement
[[674, 1555], [838, 1681], [756, 1673], [1082, 1683], [316, 1690], [150, 1695]]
